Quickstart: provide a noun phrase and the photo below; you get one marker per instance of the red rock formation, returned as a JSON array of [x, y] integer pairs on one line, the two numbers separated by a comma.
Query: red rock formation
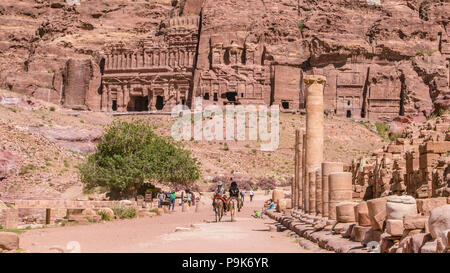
[[7, 161], [380, 60]]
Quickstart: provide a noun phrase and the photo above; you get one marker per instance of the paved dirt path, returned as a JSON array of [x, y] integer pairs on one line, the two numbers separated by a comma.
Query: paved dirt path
[[157, 234]]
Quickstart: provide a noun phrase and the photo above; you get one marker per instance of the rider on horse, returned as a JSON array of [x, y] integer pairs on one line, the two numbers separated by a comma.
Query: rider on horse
[[219, 193], [234, 194]]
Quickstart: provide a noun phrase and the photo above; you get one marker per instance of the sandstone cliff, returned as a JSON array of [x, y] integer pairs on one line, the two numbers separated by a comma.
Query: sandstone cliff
[[381, 58]]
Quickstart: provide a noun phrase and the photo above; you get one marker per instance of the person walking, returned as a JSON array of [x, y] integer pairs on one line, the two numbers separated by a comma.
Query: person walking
[[193, 198], [189, 198], [182, 198], [160, 199], [242, 195], [172, 200], [251, 194]]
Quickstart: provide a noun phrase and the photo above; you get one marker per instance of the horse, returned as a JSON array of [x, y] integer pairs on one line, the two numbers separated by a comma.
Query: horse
[[218, 209], [232, 206]]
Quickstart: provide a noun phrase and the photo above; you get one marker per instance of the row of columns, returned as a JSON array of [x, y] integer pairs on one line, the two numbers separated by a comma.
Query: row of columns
[[149, 59], [318, 186]]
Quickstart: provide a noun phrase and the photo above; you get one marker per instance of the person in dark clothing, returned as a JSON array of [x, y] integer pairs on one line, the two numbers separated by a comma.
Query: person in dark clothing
[[234, 193]]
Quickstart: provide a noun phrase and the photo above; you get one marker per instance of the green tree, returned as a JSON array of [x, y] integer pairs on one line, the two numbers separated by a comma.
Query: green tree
[[130, 154]]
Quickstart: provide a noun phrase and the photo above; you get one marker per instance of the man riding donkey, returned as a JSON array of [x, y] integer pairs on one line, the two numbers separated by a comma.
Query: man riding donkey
[[234, 194], [219, 193]]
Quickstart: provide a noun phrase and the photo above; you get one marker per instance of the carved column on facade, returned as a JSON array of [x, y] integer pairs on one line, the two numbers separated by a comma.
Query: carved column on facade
[[126, 96], [104, 99], [120, 96]]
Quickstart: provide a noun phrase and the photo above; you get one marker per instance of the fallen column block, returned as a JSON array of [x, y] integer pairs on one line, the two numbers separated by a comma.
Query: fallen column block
[[394, 227], [414, 221], [359, 232], [377, 212]]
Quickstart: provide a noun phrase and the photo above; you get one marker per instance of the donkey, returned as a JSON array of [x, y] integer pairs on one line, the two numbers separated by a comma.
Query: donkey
[[218, 209]]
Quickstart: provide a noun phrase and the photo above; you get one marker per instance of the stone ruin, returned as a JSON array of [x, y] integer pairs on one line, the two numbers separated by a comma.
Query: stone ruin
[[258, 52], [397, 201], [156, 75], [191, 58], [414, 164]]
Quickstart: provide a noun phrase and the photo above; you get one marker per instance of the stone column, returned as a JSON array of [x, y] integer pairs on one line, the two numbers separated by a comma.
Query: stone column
[[298, 182], [312, 191], [295, 188], [304, 184], [293, 192], [314, 131], [327, 168], [340, 190], [318, 175]]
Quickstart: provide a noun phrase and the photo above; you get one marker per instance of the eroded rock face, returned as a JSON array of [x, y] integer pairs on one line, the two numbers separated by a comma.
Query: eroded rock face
[[381, 58], [9, 241], [81, 140], [81, 84], [7, 162]]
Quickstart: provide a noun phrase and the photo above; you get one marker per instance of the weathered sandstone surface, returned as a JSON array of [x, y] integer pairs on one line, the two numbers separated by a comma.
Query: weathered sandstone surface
[[380, 60]]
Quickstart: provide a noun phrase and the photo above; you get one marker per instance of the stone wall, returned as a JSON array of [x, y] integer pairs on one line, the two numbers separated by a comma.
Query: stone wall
[[10, 216]]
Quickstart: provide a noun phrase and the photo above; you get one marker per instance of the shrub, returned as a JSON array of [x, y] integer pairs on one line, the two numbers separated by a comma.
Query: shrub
[[15, 230], [12, 109], [394, 136], [225, 147], [301, 25], [428, 52], [267, 183], [382, 130], [26, 169], [52, 108], [241, 181], [129, 154], [155, 210], [180, 187], [434, 115], [125, 213], [105, 216]]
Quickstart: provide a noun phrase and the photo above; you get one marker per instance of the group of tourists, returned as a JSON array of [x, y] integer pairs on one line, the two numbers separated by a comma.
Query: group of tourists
[[234, 192], [168, 198], [251, 194]]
